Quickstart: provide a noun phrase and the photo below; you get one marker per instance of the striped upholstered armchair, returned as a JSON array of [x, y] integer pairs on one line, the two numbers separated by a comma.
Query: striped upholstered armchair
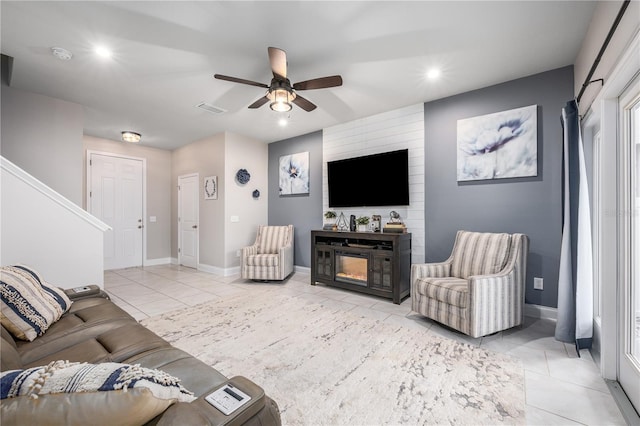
[[271, 256], [479, 290]]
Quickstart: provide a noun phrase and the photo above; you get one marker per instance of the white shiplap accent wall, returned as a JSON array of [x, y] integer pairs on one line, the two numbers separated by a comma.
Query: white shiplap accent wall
[[390, 131]]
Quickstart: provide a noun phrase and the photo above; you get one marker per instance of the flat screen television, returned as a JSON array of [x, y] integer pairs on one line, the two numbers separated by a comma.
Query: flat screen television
[[370, 181]]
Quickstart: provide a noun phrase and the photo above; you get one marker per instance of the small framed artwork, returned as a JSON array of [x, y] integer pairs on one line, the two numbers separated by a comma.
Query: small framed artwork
[[500, 145], [294, 174], [211, 188]]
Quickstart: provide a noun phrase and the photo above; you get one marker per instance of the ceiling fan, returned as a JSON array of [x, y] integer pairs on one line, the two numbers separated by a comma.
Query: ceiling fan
[[281, 93]]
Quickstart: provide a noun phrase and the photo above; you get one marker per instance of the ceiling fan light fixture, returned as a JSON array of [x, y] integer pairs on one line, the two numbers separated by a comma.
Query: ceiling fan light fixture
[[132, 137], [280, 99]]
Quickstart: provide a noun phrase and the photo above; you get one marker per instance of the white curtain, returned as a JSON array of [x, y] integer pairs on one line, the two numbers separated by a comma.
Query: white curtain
[[575, 283]]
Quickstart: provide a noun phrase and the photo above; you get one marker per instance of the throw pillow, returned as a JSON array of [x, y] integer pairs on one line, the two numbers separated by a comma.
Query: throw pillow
[[28, 304], [65, 392]]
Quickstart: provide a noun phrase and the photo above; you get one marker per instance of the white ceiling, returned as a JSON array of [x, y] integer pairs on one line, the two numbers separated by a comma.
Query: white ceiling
[[165, 55]]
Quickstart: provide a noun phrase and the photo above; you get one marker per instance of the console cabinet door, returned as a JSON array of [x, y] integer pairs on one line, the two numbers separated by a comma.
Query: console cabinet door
[[382, 271], [324, 263]]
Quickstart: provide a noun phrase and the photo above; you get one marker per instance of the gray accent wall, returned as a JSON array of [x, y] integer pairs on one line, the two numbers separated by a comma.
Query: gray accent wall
[[532, 206], [303, 211]]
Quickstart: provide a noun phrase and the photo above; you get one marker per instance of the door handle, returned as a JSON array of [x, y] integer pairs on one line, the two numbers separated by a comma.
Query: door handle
[[195, 226], [140, 226]]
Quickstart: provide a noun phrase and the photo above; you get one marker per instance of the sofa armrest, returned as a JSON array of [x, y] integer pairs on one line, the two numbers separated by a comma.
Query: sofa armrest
[[433, 270], [200, 412], [249, 251]]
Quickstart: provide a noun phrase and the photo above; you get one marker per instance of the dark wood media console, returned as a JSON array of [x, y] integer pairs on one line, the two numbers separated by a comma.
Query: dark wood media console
[[368, 262]]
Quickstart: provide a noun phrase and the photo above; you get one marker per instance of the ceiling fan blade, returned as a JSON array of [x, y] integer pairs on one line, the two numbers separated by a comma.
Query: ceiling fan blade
[[240, 80], [257, 104], [304, 103], [278, 59], [319, 83]]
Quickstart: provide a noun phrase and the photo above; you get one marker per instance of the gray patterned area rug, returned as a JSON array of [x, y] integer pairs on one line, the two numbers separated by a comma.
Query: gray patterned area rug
[[325, 366]]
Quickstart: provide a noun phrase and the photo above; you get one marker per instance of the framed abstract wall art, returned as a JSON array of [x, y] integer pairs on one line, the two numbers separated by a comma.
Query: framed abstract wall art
[[294, 174], [499, 145]]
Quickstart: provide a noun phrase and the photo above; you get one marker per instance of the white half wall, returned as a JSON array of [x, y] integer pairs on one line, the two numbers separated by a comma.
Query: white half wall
[[44, 230], [390, 131]]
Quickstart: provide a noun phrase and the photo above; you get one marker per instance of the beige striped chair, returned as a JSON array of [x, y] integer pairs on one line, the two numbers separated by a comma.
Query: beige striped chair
[[271, 256], [479, 290]]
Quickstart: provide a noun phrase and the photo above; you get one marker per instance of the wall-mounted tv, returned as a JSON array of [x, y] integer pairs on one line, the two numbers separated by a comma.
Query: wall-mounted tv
[[370, 181]]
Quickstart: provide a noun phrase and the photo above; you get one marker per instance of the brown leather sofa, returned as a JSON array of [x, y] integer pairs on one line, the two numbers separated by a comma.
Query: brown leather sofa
[[96, 330]]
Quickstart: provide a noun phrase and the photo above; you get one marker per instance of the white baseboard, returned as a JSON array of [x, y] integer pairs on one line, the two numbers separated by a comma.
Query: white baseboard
[[160, 261], [174, 260], [302, 269], [232, 271], [539, 311], [210, 269], [225, 272]]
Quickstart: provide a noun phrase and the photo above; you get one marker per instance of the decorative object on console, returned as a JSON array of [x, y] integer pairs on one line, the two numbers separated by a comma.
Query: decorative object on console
[[294, 174], [395, 228], [256, 194], [376, 220], [342, 224], [330, 223], [243, 176], [330, 214], [395, 224], [352, 223], [211, 188], [362, 223], [499, 145]]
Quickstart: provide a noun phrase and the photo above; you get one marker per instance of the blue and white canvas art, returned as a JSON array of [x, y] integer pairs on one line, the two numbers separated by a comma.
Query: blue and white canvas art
[[499, 145], [294, 174]]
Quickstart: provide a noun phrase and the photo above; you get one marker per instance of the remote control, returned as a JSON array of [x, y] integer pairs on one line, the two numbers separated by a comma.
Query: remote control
[[227, 399]]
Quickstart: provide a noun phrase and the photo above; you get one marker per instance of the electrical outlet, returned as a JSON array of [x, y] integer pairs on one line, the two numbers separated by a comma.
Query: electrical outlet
[[538, 284], [238, 253]]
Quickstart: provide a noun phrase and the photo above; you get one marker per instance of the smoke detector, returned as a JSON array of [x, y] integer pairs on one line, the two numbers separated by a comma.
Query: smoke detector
[[61, 53]]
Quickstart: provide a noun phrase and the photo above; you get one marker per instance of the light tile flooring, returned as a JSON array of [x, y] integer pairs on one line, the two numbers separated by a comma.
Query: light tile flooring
[[561, 389]]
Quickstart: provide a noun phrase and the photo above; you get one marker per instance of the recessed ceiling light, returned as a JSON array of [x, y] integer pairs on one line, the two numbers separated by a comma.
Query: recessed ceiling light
[[433, 73], [61, 53], [103, 52]]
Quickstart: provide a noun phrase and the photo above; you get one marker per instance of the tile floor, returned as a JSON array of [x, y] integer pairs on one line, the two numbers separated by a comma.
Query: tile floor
[[561, 389]]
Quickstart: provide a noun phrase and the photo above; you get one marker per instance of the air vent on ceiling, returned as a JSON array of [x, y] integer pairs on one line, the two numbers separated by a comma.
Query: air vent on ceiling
[[211, 108]]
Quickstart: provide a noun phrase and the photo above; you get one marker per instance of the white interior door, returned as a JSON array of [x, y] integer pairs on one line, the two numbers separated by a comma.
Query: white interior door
[[116, 197], [629, 225], [188, 205]]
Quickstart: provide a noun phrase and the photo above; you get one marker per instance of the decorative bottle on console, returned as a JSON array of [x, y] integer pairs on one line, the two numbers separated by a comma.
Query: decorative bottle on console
[[352, 223]]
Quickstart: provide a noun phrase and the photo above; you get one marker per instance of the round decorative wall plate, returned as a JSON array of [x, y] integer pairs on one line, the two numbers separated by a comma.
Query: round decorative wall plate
[[243, 176]]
